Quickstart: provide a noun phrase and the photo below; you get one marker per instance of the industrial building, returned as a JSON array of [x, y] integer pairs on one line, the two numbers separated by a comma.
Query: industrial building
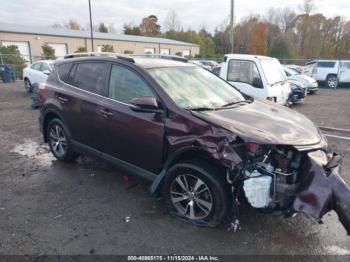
[[30, 39]]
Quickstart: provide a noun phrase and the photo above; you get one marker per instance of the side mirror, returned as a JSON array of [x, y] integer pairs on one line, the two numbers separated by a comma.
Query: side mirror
[[257, 82], [46, 72], [145, 104]]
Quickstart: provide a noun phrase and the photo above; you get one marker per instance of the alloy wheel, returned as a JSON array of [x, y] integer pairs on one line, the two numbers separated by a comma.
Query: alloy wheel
[[27, 86], [191, 197], [332, 82], [58, 141]]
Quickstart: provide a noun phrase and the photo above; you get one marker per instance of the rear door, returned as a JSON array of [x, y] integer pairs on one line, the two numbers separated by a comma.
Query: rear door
[[344, 72], [134, 137], [85, 86]]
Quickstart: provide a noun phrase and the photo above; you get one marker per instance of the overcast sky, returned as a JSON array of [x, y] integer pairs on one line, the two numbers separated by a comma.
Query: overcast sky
[[193, 13]]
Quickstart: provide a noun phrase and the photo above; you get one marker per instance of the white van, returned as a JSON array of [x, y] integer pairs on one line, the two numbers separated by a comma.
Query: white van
[[258, 76], [329, 72]]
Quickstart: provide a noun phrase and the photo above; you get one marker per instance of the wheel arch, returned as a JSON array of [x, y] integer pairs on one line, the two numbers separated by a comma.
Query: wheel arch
[[49, 115], [185, 154], [331, 74]]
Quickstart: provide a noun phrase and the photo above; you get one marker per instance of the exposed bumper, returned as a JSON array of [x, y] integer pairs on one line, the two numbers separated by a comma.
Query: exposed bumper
[[324, 190]]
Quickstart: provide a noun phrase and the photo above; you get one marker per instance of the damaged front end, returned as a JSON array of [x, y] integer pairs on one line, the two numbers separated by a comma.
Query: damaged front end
[[323, 189], [261, 162], [289, 180]]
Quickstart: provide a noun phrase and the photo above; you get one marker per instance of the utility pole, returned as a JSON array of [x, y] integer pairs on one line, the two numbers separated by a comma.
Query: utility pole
[[92, 34], [232, 20]]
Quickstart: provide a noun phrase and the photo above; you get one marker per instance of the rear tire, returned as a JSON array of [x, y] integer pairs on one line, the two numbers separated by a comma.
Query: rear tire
[[332, 81], [28, 86], [60, 141], [197, 193]]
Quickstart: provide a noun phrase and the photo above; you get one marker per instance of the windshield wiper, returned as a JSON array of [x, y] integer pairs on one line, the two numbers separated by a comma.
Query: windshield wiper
[[202, 109], [234, 103]]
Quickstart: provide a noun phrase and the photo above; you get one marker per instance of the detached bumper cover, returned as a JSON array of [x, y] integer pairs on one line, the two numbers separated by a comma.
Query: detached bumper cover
[[324, 190]]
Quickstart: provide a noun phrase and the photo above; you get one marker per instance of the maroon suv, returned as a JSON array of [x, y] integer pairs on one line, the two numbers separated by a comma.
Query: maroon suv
[[202, 144]]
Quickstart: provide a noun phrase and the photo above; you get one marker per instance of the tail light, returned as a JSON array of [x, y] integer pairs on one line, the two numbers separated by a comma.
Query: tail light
[[42, 88]]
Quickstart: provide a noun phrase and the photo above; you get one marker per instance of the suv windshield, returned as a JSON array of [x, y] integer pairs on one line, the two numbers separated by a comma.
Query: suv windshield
[[195, 88], [273, 71]]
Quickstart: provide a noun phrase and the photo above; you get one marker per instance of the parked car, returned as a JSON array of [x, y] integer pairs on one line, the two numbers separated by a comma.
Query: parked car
[[298, 93], [329, 72], [297, 68], [36, 73], [216, 70], [307, 82], [206, 64], [201, 142], [258, 76]]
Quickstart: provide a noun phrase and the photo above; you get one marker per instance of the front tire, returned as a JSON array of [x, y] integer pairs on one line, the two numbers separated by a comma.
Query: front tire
[[196, 192], [28, 86], [60, 141], [332, 81]]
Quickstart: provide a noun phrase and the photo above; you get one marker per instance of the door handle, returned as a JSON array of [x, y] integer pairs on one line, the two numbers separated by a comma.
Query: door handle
[[62, 99], [106, 113]]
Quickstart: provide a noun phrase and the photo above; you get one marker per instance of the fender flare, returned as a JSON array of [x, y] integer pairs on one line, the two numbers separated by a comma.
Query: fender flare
[[188, 149], [50, 110]]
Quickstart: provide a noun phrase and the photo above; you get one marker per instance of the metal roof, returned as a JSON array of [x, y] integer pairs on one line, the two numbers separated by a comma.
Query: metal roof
[[40, 30]]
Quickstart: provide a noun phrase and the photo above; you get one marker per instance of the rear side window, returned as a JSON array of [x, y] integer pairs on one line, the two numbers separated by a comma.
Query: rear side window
[[125, 85], [326, 64], [345, 65], [36, 66], [45, 67], [63, 71], [90, 76]]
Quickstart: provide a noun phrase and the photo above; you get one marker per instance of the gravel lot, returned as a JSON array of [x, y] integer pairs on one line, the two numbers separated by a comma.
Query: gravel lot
[[47, 207]]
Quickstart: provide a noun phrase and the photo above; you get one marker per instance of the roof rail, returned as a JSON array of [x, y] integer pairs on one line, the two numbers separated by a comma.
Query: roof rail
[[102, 54], [160, 56]]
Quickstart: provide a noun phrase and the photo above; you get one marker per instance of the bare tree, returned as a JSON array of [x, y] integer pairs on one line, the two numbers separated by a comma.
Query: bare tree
[[308, 6], [56, 25], [172, 21]]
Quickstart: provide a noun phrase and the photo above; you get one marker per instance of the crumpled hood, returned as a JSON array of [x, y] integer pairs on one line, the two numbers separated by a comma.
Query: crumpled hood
[[305, 80], [265, 123], [308, 78]]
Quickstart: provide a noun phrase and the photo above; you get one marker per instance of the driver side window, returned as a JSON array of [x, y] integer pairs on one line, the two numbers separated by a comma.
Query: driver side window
[[124, 85], [244, 72]]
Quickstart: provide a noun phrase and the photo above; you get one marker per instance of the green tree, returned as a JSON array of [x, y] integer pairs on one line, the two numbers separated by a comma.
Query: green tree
[[107, 48], [102, 28], [128, 52], [131, 29], [81, 49], [48, 52], [11, 55], [280, 48]]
